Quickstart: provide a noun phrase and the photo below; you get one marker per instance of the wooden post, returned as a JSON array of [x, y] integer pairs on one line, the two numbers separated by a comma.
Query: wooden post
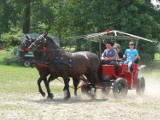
[[100, 48], [136, 44]]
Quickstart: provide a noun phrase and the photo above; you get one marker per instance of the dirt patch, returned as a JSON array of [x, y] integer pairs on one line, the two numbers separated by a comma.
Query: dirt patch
[[34, 107]]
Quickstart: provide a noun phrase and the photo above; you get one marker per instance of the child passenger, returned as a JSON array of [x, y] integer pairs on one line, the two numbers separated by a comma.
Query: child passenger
[[131, 55]]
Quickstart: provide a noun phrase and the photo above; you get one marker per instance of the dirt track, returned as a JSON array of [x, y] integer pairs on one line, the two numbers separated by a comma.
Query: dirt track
[[34, 107]]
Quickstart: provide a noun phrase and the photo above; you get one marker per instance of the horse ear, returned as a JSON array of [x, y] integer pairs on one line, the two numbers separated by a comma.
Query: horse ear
[[45, 34], [32, 40], [27, 37]]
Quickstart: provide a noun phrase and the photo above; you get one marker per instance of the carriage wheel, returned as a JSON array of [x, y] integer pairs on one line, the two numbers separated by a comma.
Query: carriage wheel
[[140, 86], [88, 90], [120, 88], [27, 63]]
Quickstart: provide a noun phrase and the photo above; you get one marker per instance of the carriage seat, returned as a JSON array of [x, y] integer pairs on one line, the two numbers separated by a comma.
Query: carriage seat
[[133, 67]]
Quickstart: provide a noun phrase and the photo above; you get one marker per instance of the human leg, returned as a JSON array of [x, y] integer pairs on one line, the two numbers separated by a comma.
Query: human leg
[[129, 66]]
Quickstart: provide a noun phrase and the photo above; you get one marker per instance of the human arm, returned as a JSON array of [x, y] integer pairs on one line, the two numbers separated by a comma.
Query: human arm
[[137, 55], [125, 55], [102, 56], [110, 58]]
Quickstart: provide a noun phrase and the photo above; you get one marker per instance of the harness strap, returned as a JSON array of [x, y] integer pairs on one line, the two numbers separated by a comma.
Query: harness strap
[[43, 65], [63, 62], [59, 59]]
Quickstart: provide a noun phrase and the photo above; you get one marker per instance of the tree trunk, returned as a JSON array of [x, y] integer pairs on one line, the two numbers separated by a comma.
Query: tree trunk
[[26, 21]]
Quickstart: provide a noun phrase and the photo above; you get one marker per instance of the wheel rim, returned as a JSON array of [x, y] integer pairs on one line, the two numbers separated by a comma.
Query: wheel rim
[[120, 89], [26, 63], [141, 86]]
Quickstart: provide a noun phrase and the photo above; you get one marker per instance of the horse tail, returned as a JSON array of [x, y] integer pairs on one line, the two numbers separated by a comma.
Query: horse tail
[[100, 72]]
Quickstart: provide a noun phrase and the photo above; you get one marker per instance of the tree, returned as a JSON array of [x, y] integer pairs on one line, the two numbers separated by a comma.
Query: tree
[[26, 18]]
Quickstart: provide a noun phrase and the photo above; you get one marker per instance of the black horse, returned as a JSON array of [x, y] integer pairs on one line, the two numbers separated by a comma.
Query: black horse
[[38, 55], [66, 64], [40, 63]]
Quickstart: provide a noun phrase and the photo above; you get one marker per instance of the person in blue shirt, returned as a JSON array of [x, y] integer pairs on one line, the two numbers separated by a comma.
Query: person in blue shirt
[[109, 55], [131, 55]]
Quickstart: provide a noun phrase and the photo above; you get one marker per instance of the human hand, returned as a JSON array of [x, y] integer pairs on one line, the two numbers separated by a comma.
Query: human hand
[[102, 58], [106, 58]]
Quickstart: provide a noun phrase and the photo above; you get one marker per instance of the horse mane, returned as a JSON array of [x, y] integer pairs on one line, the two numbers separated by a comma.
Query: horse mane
[[54, 39]]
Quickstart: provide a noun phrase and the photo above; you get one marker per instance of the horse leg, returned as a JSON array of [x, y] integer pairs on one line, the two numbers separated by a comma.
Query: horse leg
[[50, 95], [66, 88], [39, 85], [75, 83], [92, 77]]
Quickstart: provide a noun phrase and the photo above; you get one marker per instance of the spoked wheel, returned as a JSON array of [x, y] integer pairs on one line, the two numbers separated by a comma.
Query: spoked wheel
[[140, 86], [120, 88], [88, 90]]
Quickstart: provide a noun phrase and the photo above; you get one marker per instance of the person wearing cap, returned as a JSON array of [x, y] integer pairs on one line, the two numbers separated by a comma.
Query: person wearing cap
[[109, 55], [131, 55]]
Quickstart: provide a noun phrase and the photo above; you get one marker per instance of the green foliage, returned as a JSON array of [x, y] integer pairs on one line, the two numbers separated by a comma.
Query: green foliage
[[147, 50], [13, 37], [9, 56], [77, 17]]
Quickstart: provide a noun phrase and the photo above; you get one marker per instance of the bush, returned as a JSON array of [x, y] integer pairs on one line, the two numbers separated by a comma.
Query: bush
[[9, 55], [12, 38]]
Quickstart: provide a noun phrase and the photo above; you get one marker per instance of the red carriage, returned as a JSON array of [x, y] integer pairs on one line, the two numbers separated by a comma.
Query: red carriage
[[117, 77], [119, 80]]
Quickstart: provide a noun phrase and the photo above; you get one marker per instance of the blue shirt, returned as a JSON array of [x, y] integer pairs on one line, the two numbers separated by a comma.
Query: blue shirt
[[110, 53], [131, 54]]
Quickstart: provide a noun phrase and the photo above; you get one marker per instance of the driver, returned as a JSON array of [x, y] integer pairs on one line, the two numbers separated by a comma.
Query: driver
[[109, 55]]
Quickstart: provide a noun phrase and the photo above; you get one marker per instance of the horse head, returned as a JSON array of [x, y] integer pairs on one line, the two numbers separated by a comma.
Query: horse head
[[24, 45], [45, 40], [40, 41]]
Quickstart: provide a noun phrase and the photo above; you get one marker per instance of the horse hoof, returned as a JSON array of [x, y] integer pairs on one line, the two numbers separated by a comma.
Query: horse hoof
[[66, 98], [69, 96], [75, 94], [50, 96], [43, 94]]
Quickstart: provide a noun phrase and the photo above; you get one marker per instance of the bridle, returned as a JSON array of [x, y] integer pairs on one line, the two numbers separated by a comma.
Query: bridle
[[40, 39]]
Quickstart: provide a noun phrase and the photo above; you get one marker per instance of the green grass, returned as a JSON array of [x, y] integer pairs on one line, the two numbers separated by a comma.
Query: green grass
[[15, 78], [19, 79]]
